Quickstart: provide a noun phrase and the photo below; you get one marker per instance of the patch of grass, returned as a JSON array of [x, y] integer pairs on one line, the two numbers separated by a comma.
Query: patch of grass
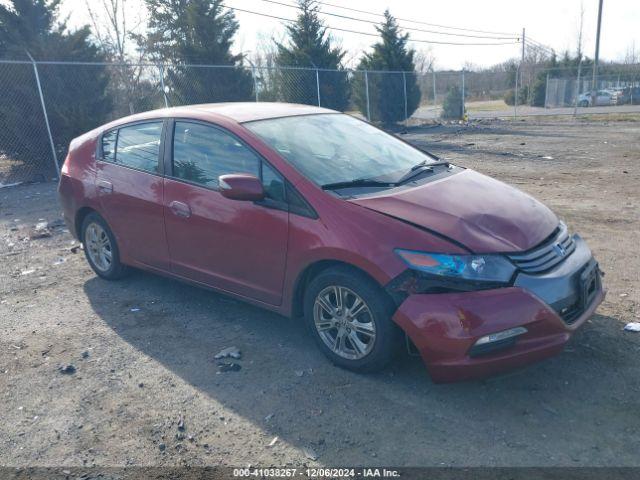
[[486, 106], [586, 118]]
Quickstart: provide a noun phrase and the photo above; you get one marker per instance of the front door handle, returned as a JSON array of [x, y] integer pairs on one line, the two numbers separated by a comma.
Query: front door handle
[[104, 186], [180, 209]]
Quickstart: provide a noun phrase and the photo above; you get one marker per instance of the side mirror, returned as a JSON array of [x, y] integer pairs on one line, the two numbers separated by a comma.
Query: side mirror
[[241, 186]]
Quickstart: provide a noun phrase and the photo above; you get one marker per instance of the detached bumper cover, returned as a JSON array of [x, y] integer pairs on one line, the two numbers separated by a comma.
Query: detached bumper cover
[[444, 327]]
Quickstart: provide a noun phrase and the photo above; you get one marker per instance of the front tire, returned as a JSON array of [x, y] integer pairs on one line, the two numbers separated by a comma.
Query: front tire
[[349, 316], [101, 248]]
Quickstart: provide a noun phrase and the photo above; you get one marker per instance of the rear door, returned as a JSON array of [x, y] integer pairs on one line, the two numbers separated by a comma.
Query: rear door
[[130, 186], [238, 246]]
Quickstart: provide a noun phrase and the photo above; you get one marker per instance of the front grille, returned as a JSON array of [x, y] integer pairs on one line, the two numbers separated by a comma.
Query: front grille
[[548, 254]]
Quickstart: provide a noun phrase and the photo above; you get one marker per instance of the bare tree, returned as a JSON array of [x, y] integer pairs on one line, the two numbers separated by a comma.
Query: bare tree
[[265, 53], [424, 60], [263, 61], [115, 27], [632, 56]]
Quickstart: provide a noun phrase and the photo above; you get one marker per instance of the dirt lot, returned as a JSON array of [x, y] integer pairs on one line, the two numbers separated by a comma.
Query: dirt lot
[[143, 348], [498, 109]]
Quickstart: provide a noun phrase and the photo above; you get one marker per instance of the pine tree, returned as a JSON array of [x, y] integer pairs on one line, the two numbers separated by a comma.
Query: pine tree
[[76, 96], [310, 46], [26, 25], [386, 89], [197, 32]]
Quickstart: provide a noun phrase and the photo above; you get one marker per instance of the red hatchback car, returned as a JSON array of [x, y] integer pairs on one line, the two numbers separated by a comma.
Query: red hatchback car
[[310, 212]]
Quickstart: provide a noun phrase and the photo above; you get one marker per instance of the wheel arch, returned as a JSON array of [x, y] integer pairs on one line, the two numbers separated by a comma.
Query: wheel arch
[[81, 214], [314, 269]]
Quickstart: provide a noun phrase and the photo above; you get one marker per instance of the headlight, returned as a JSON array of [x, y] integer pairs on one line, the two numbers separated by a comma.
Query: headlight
[[474, 268]]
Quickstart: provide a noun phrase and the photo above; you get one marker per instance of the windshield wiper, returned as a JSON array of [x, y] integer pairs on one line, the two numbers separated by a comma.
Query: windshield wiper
[[418, 168], [370, 182], [358, 182]]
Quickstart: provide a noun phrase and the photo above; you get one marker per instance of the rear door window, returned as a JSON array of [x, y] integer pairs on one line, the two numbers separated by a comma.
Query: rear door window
[[201, 154], [138, 146]]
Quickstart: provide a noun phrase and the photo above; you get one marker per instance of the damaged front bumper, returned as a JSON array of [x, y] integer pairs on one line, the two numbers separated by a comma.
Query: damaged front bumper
[[545, 310]]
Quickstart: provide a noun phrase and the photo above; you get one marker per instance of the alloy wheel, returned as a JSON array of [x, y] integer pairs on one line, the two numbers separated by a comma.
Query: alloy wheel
[[344, 322], [98, 247]]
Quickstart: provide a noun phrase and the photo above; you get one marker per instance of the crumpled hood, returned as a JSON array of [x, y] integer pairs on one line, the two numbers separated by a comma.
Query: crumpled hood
[[477, 211]]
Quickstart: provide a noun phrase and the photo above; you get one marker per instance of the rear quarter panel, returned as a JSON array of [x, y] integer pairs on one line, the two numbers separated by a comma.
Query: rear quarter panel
[[77, 179]]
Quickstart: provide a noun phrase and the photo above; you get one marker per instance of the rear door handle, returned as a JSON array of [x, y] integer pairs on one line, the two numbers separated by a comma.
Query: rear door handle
[[180, 209], [105, 186]]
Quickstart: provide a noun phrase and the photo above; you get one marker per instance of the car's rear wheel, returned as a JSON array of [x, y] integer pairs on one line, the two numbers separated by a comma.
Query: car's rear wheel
[[101, 248], [350, 318], [584, 103]]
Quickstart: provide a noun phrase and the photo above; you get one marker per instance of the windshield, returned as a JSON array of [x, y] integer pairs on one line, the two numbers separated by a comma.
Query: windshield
[[332, 148]]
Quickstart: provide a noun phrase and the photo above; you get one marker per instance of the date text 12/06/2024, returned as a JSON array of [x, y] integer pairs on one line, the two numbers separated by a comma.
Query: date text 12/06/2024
[[316, 472]]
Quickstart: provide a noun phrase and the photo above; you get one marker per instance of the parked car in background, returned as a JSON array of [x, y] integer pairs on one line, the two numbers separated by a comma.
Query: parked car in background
[[315, 214], [602, 98], [619, 96], [627, 96]]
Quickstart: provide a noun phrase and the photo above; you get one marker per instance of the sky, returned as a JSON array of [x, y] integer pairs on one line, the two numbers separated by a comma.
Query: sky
[[554, 23]]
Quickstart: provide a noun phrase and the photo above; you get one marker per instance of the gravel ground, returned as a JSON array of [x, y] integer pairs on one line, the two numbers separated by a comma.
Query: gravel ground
[[146, 391]]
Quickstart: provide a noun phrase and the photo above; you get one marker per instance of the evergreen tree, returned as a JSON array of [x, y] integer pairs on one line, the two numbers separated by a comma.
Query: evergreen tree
[[197, 32], [76, 96], [452, 106], [386, 90], [310, 46]]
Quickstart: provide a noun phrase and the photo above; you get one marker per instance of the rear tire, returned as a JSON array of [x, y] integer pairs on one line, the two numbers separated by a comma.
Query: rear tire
[[353, 328], [101, 248]]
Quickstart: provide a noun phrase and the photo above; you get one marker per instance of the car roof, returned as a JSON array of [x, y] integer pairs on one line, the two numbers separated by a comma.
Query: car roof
[[249, 111], [235, 111], [238, 112]]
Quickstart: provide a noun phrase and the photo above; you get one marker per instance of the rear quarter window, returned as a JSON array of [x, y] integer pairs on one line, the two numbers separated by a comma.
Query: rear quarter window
[[109, 146], [136, 146]]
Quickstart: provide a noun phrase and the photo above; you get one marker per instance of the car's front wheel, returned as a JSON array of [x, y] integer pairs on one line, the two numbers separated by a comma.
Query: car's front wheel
[[349, 316], [101, 248]]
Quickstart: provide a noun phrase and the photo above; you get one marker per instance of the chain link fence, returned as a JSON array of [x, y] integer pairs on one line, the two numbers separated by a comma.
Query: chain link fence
[[578, 90], [46, 104]]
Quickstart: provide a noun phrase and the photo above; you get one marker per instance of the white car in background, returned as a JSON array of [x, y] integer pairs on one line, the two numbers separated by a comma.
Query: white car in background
[[602, 98]]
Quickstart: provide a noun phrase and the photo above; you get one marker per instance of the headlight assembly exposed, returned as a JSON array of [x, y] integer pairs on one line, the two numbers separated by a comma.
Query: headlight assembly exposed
[[441, 273], [481, 268]]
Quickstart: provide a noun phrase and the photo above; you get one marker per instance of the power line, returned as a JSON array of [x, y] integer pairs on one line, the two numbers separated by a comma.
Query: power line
[[414, 21], [370, 34], [372, 22], [539, 44], [540, 48]]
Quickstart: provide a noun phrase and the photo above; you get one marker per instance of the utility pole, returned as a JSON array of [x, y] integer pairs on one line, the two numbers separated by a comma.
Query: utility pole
[[597, 56], [522, 60], [521, 68]]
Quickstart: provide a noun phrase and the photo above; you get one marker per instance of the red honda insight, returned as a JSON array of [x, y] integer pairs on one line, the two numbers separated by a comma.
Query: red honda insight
[[316, 214]]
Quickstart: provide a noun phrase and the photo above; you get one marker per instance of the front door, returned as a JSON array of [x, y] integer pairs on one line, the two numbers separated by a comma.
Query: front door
[[238, 246], [130, 185], [603, 98]]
